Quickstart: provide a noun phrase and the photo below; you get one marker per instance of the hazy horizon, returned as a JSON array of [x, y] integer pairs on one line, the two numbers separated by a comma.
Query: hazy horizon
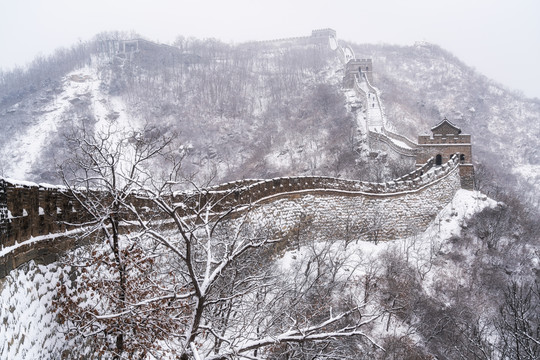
[[499, 39]]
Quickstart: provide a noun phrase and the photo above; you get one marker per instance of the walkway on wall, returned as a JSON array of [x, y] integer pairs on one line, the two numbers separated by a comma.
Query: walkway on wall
[[38, 222], [376, 119], [375, 115]]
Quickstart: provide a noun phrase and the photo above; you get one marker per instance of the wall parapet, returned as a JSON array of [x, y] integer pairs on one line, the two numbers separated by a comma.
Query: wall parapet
[[316, 37], [238, 195], [445, 140], [381, 137], [356, 215], [3, 209], [30, 211], [401, 138]]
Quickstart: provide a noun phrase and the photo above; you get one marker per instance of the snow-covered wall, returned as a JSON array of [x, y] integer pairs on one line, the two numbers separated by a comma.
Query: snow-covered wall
[[380, 141], [3, 209], [357, 215], [36, 217]]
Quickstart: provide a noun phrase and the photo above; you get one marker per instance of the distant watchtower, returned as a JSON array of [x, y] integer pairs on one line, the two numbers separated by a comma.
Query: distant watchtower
[[446, 140], [325, 33], [358, 68]]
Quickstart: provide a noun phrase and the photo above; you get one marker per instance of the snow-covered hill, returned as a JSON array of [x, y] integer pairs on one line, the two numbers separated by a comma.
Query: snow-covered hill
[[421, 84], [78, 99], [263, 111], [28, 320], [242, 113]]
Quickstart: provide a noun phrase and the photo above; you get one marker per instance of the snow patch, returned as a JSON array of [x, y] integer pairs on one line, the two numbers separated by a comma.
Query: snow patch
[[27, 320]]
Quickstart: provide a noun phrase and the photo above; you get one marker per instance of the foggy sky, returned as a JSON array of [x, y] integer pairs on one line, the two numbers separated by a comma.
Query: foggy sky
[[500, 39]]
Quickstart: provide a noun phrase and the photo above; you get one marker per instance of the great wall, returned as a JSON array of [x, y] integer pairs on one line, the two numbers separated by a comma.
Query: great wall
[[38, 221]]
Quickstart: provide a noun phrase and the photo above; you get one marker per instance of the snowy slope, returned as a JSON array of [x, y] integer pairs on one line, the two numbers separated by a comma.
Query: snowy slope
[[81, 96], [28, 323], [422, 84], [28, 327]]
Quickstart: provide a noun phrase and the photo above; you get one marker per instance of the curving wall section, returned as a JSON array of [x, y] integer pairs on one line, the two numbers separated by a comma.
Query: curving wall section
[[39, 221], [348, 215]]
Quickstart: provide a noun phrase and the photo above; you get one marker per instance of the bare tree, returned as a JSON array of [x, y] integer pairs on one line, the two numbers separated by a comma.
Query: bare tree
[[519, 322], [188, 274], [105, 169]]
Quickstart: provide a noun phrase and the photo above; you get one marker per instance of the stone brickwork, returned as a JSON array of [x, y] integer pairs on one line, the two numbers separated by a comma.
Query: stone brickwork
[[445, 141], [380, 141], [43, 219], [30, 210], [34, 210], [245, 192], [324, 33], [347, 215], [331, 206], [318, 37], [3, 209], [357, 68]]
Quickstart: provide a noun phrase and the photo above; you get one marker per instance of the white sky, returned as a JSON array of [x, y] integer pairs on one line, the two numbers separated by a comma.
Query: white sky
[[499, 38]]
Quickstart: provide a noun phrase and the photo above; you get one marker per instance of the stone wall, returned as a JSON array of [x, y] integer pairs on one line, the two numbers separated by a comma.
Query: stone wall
[[42, 251], [429, 147], [317, 37], [401, 138], [3, 209], [379, 141], [443, 147], [34, 210], [40, 221], [31, 210], [245, 192], [346, 215], [357, 68]]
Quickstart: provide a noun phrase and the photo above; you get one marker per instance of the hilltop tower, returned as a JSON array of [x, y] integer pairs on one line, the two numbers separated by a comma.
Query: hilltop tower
[[357, 68], [446, 140], [324, 33]]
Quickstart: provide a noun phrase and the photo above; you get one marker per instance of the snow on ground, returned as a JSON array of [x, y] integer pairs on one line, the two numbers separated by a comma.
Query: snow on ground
[[400, 143], [362, 257], [27, 147], [447, 224], [27, 323], [79, 87], [373, 117], [531, 173], [333, 43]]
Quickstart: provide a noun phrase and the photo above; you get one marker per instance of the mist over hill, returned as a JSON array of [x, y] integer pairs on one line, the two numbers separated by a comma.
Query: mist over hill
[[259, 109], [423, 83], [464, 287]]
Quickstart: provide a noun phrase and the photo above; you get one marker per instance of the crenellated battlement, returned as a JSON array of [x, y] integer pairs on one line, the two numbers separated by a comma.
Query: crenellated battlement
[[36, 220], [319, 36]]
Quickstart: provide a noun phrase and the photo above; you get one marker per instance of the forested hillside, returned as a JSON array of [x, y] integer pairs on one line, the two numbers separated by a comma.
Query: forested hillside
[[260, 109], [423, 83], [214, 287], [245, 111]]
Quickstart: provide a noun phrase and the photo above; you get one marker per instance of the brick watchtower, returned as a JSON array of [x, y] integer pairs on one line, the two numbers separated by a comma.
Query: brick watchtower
[[446, 140], [357, 68]]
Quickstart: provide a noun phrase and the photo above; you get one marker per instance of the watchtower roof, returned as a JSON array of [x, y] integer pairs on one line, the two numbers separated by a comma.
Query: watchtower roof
[[445, 127]]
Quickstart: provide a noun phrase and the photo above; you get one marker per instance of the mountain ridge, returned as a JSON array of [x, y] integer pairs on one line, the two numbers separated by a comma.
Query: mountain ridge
[[419, 86]]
